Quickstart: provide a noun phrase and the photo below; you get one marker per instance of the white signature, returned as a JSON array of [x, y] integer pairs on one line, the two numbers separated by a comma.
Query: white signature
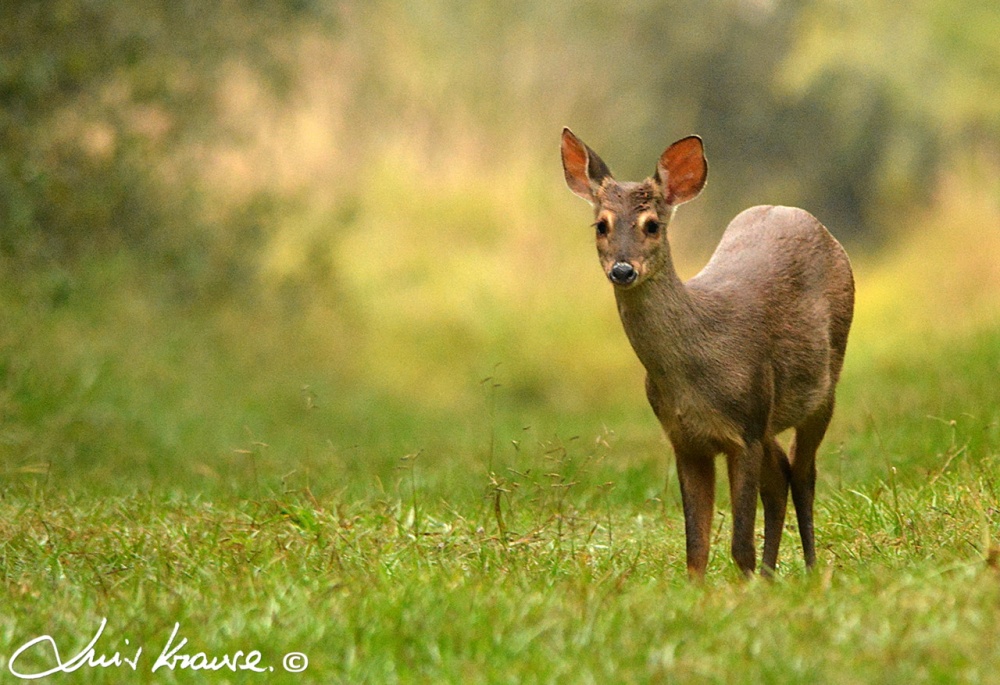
[[171, 657]]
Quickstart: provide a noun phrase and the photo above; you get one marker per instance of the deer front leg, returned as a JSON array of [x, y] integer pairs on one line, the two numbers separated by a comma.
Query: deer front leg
[[744, 485], [696, 474]]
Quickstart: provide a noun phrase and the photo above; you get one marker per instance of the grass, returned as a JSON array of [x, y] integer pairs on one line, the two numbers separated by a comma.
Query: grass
[[225, 472], [575, 585]]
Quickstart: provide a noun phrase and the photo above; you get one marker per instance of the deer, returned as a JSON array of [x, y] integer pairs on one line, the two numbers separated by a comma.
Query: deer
[[750, 347]]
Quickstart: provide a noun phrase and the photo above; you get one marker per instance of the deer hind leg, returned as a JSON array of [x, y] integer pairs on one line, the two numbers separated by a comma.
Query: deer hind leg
[[775, 474], [808, 436]]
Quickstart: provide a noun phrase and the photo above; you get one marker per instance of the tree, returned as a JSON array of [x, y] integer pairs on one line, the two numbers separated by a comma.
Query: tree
[[104, 107]]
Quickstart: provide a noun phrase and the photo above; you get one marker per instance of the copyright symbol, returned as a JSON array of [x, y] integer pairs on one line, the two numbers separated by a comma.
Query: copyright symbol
[[295, 662]]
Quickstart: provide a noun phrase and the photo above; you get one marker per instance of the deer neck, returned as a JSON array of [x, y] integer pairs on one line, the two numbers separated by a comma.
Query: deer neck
[[660, 320]]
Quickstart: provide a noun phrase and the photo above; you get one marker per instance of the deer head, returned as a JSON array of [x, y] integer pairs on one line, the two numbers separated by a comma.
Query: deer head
[[630, 219]]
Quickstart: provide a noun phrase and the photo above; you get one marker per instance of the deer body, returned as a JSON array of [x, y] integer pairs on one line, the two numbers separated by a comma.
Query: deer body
[[750, 347]]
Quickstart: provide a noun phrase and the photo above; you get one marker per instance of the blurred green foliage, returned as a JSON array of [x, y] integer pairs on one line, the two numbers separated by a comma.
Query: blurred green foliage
[[305, 232], [845, 109], [103, 109], [111, 112], [303, 342]]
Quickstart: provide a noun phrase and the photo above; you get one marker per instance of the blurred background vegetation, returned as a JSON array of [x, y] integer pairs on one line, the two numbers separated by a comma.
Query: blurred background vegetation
[[297, 235]]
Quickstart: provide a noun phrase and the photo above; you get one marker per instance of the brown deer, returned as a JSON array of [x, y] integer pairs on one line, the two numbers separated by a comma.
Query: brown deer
[[750, 347]]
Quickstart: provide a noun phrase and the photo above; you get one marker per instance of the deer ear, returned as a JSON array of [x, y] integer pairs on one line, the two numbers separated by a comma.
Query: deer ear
[[682, 170], [584, 170]]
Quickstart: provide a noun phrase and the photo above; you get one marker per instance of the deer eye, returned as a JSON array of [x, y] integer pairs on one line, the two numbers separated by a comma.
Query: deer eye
[[602, 227], [651, 227]]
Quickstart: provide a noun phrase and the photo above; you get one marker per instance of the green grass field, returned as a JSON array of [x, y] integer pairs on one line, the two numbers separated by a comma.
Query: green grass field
[[501, 510]]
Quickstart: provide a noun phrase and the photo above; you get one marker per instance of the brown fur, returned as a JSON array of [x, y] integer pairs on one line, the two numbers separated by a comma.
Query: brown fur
[[750, 347]]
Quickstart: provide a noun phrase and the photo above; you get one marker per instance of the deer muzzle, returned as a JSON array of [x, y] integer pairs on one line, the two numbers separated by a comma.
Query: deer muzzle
[[623, 273]]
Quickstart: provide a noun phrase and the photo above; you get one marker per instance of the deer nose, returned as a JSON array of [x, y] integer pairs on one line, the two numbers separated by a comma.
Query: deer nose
[[623, 273]]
